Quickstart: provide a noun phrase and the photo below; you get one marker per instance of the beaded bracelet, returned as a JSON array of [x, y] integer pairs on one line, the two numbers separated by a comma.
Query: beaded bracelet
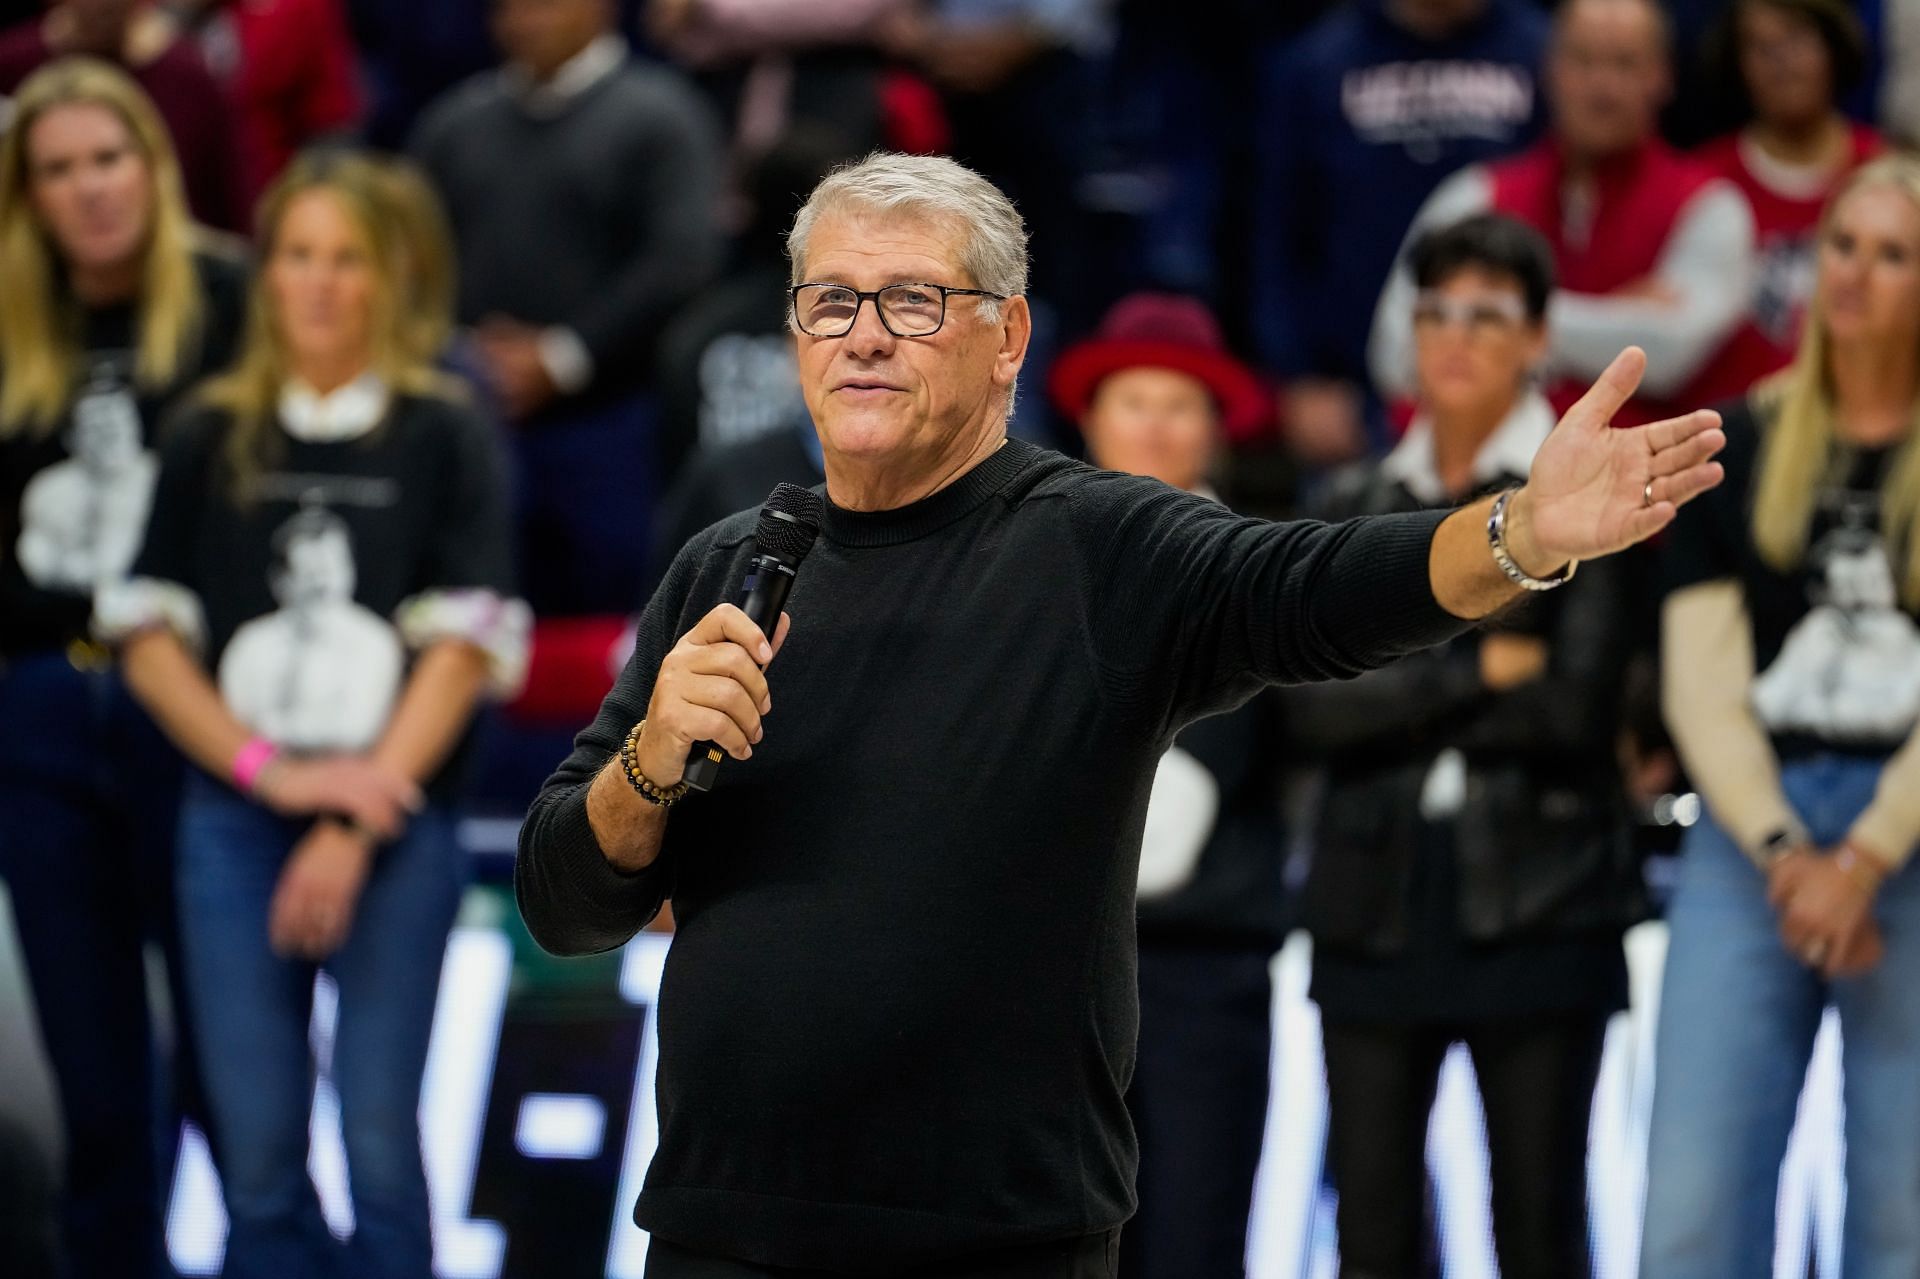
[[661, 797]]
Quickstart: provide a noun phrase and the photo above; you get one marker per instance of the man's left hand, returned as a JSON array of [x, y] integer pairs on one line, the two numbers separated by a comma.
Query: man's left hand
[[1596, 489]]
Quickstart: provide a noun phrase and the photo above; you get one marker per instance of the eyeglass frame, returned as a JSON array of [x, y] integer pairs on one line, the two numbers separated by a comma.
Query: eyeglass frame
[[862, 296], [1446, 312]]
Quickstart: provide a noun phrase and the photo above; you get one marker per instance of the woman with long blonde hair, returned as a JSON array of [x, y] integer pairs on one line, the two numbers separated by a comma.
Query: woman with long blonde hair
[[322, 601], [1792, 686], [113, 304]]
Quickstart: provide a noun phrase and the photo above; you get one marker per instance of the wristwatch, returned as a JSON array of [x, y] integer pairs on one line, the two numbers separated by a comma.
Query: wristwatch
[[1497, 540], [1779, 843]]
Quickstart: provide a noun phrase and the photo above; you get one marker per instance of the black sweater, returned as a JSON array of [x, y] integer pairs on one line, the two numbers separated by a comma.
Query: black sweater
[[899, 1015], [40, 612]]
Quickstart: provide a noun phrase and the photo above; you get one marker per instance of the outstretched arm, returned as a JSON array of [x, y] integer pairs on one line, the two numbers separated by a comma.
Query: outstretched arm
[[1593, 490]]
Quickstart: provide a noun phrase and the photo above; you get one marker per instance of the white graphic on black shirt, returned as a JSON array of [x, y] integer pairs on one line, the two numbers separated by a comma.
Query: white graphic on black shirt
[[1849, 670], [749, 385], [320, 673], [81, 519]]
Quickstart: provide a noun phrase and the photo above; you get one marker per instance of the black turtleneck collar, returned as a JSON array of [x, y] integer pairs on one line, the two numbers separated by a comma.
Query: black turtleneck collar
[[934, 511]]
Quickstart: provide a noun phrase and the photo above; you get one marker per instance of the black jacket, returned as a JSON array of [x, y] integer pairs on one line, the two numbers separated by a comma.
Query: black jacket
[[1237, 896], [1542, 837]]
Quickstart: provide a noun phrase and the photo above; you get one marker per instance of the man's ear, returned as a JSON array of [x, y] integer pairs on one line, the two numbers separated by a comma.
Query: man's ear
[[1016, 331]]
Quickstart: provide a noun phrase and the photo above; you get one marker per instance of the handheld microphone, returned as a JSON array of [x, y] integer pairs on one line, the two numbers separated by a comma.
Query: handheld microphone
[[789, 523]]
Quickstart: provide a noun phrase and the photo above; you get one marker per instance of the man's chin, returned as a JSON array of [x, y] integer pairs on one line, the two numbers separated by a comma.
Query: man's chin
[[865, 436]]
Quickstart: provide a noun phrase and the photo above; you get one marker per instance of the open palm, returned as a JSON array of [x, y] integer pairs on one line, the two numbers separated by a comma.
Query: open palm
[[1595, 489]]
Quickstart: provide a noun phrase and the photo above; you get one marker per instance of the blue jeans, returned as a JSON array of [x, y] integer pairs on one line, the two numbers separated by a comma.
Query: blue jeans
[[254, 1011], [1738, 1016], [87, 795]]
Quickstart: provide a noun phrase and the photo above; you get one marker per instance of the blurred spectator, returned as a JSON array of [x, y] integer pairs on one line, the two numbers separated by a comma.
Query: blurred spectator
[[1155, 393], [730, 398], [112, 308], [583, 187], [1362, 117], [1178, 109], [782, 62], [1900, 95], [320, 605], [412, 53], [142, 42], [1705, 105], [1017, 78], [288, 70], [726, 368], [1650, 248], [1790, 59], [608, 165], [1472, 869], [1792, 686]]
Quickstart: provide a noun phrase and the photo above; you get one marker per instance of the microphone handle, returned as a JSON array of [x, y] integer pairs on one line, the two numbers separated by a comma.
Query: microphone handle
[[763, 593]]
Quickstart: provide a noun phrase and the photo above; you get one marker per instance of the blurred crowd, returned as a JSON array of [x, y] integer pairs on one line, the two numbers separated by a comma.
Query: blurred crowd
[[363, 364]]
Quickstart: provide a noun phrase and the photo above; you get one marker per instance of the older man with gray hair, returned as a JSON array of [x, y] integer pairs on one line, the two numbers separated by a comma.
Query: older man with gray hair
[[898, 1018]]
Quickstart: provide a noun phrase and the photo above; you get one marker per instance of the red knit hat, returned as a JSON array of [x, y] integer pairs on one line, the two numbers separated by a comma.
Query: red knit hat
[[1167, 331]]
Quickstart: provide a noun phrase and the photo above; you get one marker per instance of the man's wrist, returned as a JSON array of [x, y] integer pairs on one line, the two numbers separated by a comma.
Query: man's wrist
[[1526, 551], [643, 784]]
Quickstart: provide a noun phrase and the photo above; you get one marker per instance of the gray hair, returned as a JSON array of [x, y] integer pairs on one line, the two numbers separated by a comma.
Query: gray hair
[[935, 189]]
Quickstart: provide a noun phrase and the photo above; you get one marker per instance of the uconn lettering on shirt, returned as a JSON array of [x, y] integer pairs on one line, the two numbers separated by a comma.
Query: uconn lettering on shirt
[[1414, 103]]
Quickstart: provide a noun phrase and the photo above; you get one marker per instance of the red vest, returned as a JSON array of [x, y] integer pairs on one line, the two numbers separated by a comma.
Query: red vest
[[1638, 200], [1784, 229]]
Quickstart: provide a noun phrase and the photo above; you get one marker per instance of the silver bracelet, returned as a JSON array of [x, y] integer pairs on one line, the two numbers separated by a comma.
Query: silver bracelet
[[1497, 539]]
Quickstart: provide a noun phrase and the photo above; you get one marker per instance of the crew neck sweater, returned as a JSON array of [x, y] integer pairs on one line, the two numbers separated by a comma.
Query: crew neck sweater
[[898, 1016]]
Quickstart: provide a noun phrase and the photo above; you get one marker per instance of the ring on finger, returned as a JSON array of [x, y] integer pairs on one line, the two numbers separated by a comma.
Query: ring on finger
[[1646, 493]]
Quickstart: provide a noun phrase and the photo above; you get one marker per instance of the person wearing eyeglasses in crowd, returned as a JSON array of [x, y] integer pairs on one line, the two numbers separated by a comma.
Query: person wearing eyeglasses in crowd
[[1472, 870], [114, 304], [1792, 688], [1649, 245], [321, 604], [897, 1023]]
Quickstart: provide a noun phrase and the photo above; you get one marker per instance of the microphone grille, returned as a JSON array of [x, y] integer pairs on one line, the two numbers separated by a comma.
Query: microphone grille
[[789, 523]]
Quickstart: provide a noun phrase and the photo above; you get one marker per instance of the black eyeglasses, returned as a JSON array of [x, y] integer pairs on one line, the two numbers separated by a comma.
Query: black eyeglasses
[[906, 310]]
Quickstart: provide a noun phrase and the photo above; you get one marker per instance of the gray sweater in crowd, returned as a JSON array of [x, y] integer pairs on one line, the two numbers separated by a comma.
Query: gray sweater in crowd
[[597, 213]]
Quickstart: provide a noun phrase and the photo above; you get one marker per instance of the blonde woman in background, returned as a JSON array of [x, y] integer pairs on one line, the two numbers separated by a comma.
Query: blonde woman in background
[[321, 604], [113, 305], [1792, 686]]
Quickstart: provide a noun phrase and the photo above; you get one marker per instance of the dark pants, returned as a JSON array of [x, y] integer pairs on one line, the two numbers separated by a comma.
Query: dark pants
[[87, 794], [1199, 1103], [1094, 1257], [1536, 1084], [586, 484]]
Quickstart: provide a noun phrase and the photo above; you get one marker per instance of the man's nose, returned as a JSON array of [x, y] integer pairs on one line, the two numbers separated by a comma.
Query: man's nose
[[869, 337]]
